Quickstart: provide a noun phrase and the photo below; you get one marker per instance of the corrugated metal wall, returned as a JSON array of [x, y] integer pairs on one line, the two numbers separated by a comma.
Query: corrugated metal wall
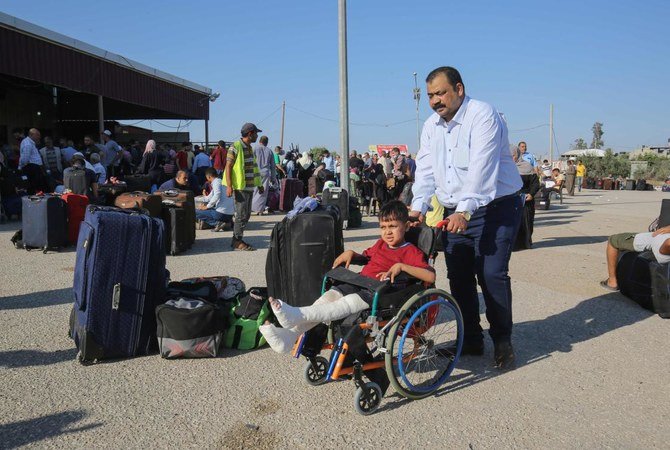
[[28, 57]]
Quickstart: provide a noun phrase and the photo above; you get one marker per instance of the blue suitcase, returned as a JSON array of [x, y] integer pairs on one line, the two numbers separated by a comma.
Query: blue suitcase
[[119, 279]]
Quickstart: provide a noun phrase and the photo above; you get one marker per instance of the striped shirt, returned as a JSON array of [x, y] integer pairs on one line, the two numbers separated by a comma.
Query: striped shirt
[[248, 164]]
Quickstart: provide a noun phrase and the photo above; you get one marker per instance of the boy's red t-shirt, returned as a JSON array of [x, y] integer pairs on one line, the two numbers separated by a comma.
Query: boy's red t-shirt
[[382, 257]]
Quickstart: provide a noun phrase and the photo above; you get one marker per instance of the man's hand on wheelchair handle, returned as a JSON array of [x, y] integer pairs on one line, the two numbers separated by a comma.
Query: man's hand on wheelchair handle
[[345, 258], [393, 272]]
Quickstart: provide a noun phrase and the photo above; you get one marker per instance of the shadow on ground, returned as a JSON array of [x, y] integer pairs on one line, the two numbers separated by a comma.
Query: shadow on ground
[[537, 340], [29, 358], [569, 240], [37, 299], [24, 432]]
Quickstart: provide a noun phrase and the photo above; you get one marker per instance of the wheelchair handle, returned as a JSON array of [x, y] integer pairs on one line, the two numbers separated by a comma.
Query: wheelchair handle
[[442, 224]]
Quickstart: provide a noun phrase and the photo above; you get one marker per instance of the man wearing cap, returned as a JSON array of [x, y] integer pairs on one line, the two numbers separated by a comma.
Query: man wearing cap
[[241, 176], [464, 159], [112, 155]]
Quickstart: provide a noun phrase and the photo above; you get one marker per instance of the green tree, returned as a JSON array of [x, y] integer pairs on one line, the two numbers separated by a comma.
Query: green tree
[[316, 152], [579, 144], [598, 132]]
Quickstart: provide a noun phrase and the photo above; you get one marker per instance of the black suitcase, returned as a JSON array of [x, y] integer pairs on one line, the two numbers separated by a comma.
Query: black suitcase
[[177, 229], [630, 185], [183, 199], [44, 222], [340, 198], [119, 279], [642, 279], [138, 183], [641, 185], [302, 249], [633, 274]]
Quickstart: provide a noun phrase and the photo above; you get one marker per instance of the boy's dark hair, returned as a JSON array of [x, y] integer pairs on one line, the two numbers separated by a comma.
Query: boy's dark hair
[[210, 172], [394, 210]]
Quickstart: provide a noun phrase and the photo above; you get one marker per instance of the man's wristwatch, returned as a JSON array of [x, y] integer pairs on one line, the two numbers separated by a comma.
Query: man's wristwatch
[[466, 215]]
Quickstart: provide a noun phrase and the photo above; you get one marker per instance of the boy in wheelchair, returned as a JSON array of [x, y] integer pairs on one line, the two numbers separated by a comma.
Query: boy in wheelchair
[[390, 256]]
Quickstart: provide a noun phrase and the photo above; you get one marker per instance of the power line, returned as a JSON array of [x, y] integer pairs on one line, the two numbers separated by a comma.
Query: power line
[[269, 115], [382, 125], [528, 129]]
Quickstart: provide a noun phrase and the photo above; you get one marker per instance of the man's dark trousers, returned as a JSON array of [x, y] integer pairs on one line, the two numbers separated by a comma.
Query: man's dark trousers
[[484, 250]]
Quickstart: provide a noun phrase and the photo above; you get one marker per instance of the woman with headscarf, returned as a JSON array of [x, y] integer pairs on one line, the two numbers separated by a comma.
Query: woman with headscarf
[[305, 167], [531, 185], [152, 163]]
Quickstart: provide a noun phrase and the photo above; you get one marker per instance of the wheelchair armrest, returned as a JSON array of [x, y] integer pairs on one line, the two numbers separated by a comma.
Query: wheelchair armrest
[[359, 260], [347, 276]]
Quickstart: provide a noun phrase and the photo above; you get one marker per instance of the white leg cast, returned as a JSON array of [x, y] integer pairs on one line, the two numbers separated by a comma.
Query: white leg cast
[[291, 317], [281, 340]]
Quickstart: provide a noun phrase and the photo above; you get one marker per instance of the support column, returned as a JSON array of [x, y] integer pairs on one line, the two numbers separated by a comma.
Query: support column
[[101, 118], [344, 96], [206, 132]]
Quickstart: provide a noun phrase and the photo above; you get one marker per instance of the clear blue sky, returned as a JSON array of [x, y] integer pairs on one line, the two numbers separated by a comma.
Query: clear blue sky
[[601, 61]]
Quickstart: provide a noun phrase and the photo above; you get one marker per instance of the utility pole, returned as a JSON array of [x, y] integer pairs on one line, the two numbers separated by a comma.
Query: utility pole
[[344, 95], [551, 134], [283, 113], [417, 97]]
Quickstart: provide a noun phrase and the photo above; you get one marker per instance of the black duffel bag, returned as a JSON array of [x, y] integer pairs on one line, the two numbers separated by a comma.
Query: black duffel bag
[[189, 328]]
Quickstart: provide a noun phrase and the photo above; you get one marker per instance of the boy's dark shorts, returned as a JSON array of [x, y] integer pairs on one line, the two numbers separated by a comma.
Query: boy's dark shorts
[[623, 241]]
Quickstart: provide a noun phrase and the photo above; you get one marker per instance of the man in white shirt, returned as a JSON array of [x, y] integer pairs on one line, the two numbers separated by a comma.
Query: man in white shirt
[[30, 161], [465, 160], [219, 209]]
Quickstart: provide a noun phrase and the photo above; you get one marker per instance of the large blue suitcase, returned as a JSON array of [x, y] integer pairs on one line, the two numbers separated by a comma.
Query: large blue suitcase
[[119, 279]]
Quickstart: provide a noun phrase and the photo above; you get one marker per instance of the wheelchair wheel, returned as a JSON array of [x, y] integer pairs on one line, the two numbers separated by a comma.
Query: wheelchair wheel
[[367, 398], [315, 374], [424, 344]]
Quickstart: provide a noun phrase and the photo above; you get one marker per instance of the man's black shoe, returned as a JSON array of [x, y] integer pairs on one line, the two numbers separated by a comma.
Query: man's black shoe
[[503, 356], [469, 348]]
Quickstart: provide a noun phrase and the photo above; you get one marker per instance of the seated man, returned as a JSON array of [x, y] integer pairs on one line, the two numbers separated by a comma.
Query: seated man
[[78, 179], [219, 209], [554, 183], [658, 242], [387, 258], [181, 181]]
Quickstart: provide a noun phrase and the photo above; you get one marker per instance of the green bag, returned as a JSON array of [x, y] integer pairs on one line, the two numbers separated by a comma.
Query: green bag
[[249, 311]]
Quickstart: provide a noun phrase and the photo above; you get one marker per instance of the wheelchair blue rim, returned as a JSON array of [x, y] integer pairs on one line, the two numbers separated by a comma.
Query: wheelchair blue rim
[[459, 345]]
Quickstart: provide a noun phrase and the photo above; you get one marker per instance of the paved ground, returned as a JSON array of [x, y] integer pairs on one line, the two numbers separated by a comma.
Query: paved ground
[[593, 367]]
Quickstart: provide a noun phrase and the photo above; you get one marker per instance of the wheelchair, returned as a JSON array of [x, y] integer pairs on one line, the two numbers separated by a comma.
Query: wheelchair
[[410, 339]]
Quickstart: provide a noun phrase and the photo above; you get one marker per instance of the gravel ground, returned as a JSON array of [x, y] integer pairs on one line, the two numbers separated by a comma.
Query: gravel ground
[[592, 369]]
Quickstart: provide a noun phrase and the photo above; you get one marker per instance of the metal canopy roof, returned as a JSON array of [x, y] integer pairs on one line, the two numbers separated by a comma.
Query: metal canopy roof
[[136, 90]]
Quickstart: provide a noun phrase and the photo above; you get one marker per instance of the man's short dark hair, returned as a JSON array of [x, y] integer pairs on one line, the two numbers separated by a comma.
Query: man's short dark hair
[[453, 76], [325, 152], [210, 172], [545, 161], [221, 143], [394, 210], [263, 140], [521, 142]]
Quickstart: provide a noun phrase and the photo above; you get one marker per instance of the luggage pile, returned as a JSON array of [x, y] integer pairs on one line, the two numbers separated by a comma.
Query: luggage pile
[[125, 305]]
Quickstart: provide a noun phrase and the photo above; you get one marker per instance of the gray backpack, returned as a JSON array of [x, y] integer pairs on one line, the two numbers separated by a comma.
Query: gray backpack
[[75, 180]]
